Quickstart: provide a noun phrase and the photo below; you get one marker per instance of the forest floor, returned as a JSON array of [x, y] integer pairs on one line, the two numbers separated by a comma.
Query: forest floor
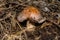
[[12, 29]]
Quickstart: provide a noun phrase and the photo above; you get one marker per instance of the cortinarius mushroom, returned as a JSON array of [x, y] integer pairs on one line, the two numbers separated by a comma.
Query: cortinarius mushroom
[[32, 14]]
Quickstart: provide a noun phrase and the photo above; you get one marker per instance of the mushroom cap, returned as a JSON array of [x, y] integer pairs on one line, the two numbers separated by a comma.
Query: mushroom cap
[[31, 13]]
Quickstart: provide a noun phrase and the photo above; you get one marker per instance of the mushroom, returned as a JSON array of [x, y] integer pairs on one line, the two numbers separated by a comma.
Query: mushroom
[[31, 13]]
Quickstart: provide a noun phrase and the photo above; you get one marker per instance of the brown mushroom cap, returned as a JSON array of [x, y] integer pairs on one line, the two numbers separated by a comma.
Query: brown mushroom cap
[[31, 13]]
